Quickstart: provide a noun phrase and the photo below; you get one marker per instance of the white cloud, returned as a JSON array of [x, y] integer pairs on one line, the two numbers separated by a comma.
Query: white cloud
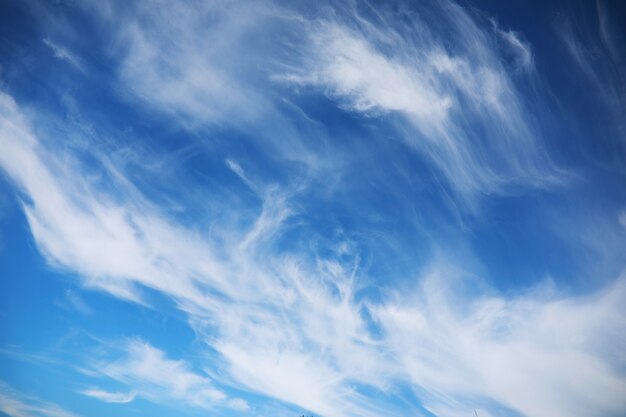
[[74, 229], [109, 397], [460, 108], [157, 378], [353, 69], [521, 49], [606, 26], [538, 354], [601, 61], [517, 47], [238, 404], [64, 54], [206, 64], [243, 296], [16, 404]]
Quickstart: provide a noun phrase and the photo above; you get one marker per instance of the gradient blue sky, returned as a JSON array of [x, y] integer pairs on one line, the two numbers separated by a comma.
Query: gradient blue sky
[[338, 209]]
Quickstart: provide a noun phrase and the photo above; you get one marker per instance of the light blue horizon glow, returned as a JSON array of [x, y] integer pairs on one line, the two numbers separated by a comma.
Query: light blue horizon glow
[[337, 209]]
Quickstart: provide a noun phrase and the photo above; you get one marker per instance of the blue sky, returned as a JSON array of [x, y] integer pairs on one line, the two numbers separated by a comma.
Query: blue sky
[[338, 209]]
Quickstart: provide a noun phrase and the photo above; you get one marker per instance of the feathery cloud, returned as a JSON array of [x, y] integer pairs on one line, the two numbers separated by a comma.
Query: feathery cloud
[[16, 404], [157, 378], [109, 397], [458, 106]]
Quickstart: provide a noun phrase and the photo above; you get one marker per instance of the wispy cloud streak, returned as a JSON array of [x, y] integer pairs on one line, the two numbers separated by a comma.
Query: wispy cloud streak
[[16, 404], [109, 397], [64, 54], [157, 378], [599, 54], [458, 105]]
